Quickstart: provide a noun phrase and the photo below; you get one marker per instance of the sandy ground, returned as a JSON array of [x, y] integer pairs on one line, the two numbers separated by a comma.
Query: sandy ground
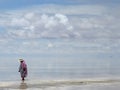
[[61, 85]]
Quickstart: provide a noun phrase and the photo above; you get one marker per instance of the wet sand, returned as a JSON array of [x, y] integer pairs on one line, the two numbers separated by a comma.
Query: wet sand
[[61, 85]]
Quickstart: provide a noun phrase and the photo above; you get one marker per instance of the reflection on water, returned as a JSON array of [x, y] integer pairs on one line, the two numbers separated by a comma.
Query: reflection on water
[[23, 85], [61, 69]]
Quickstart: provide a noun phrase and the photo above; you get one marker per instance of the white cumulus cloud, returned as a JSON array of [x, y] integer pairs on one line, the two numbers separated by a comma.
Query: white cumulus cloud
[[98, 25], [36, 25]]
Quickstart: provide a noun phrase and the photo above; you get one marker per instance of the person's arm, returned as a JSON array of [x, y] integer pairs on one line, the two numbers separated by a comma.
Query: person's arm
[[20, 67]]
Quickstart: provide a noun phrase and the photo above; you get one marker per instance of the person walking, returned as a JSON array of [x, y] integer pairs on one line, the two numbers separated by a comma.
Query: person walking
[[23, 69]]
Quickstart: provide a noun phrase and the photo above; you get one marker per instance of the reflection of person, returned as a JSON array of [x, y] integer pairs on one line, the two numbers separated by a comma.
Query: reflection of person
[[23, 86], [23, 69]]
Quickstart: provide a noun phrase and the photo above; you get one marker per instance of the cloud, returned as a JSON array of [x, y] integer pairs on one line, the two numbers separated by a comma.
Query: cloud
[[59, 21], [55, 21], [50, 45], [95, 27], [36, 25], [70, 9]]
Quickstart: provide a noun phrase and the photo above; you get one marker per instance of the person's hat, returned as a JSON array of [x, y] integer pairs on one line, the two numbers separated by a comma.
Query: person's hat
[[21, 60]]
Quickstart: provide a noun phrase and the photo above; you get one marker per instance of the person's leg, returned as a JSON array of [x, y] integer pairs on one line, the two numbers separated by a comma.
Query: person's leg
[[23, 78]]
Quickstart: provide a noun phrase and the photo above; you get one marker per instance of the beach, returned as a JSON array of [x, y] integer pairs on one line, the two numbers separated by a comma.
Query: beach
[[86, 84]]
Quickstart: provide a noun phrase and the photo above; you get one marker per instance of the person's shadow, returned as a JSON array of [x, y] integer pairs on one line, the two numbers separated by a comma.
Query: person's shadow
[[23, 85]]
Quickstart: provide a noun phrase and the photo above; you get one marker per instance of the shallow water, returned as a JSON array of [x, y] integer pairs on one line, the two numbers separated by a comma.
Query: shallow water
[[60, 69], [93, 84], [67, 60]]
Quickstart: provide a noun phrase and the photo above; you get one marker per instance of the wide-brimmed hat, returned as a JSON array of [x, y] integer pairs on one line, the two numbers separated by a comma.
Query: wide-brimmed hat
[[21, 60]]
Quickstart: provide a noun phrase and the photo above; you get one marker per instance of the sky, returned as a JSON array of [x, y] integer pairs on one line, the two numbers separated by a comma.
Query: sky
[[52, 27]]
